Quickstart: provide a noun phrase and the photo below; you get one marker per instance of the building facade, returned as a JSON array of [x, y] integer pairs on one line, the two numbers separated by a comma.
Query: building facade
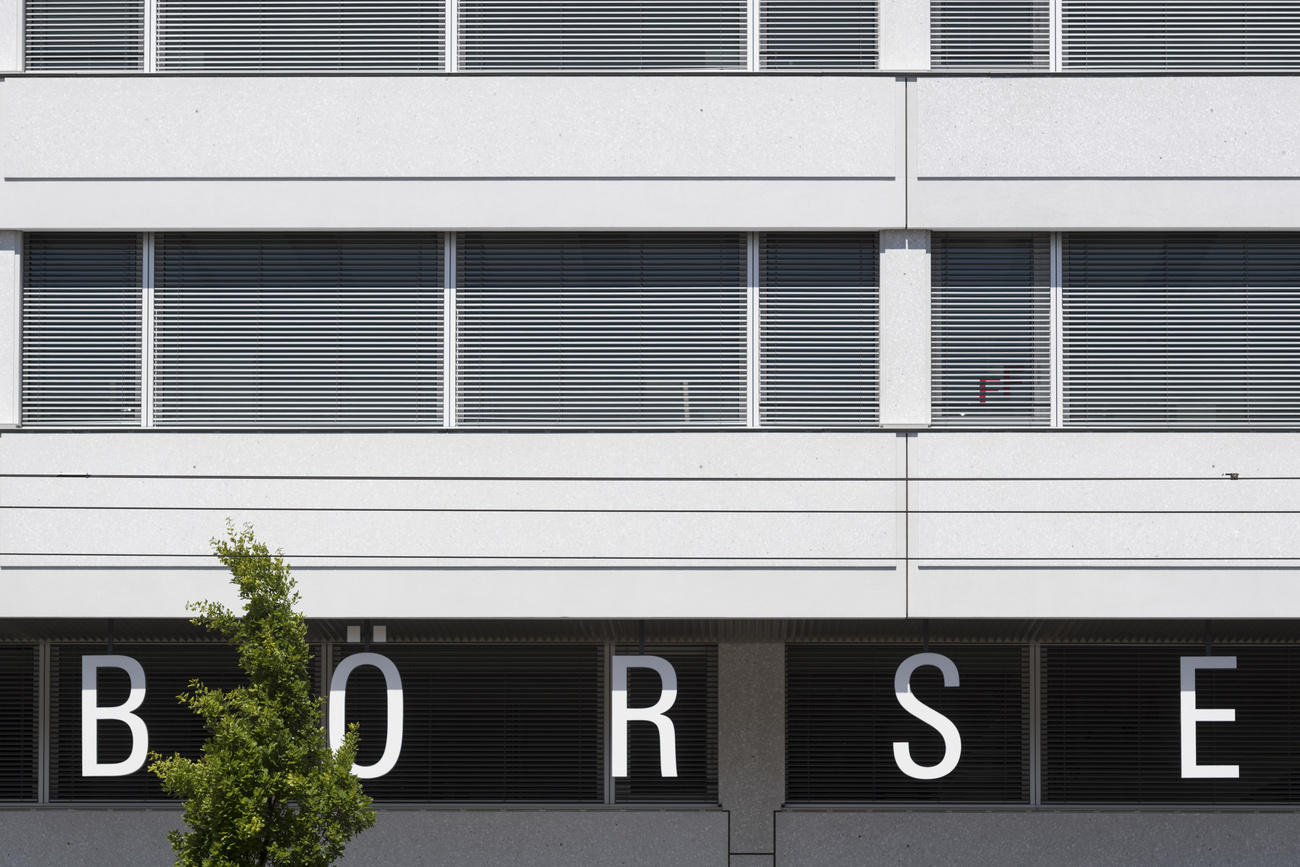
[[744, 432]]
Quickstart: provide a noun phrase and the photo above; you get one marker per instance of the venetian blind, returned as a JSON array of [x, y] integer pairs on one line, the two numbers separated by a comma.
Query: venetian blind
[[72, 35], [300, 35], [1181, 329], [990, 329], [1112, 726], [538, 35], [81, 329], [818, 34], [1185, 36], [990, 34], [600, 329], [819, 314], [18, 721], [842, 719], [284, 329], [486, 723]]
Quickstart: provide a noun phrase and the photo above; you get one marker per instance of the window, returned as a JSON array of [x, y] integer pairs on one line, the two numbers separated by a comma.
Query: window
[[320, 329], [990, 329], [818, 34], [1181, 329], [486, 723], [1112, 734], [601, 329], [842, 719], [819, 348], [990, 34], [1185, 36], [299, 35], [71, 35], [503, 35], [81, 329], [18, 733]]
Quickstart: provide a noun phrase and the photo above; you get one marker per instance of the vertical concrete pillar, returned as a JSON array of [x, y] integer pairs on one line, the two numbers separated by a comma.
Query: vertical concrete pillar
[[904, 329], [11, 35], [751, 746], [904, 35], [9, 280]]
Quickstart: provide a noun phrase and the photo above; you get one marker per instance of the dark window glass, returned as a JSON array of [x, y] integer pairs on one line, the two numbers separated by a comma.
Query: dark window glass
[[1111, 726], [842, 720], [695, 723], [486, 723], [18, 734]]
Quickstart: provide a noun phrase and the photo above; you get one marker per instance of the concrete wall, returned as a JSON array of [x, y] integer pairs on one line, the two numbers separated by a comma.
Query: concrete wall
[[460, 524]]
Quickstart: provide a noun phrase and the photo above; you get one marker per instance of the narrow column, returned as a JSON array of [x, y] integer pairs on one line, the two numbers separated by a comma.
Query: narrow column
[[904, 35], [904, 329], [751, 746], [11, 35], [9, 293]]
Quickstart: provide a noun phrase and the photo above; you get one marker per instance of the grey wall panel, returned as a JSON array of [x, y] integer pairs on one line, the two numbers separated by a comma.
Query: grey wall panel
[[828, 839], [542, 838]]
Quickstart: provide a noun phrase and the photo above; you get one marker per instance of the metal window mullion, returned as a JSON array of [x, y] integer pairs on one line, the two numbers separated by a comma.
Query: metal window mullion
[[1056, 336], [147, 331], [43, 721], [151, 35], [752, 35], [752, 418], [1054, 36], [606, 700], [1035, 725], [449, 330], [451, 41]]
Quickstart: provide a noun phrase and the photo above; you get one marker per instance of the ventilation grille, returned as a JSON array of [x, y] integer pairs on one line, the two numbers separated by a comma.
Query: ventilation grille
[[298, 329], [990, 34], [300, 35], [173, 728], [18, 733], [818, 34], [601, 330], [505, 35], [1186, 36], [990, 330], [842, 720], [1190, 330], [81, 329], [695, 723], [500, 723], [819, 303], [70, 35], [1111, 726]]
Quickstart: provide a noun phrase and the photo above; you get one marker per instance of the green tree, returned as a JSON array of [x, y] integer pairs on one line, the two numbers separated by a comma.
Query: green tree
[[267, 789]]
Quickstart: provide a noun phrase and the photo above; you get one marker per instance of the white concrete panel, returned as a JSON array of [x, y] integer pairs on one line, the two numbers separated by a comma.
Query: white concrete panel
[[904, 34], [1106, 127], [491, 593], [10, 292], [559, 204], [1114, 535], [1111, 495], [1265, 203], [747, 455], [905, 329], [494, 536], [454, 494], [1193, 590], [450, 126]]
